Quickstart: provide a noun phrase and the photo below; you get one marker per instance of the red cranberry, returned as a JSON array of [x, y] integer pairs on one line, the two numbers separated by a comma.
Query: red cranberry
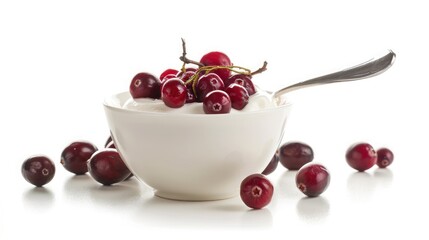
[[384, 157], [208, 83], [272, 165], [293, 155], [217, 59], [243, 80], [75, 156], [174, 93], [107, 167], [166, 77], [239, 96], [217, 102], [190, 96], [312, 179], [361, 156], [145, 85], [185, 76], [167, 72], [256, 191], [38, 170]]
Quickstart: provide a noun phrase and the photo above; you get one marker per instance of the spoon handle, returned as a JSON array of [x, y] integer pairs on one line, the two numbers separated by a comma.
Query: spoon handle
[[364, 70]]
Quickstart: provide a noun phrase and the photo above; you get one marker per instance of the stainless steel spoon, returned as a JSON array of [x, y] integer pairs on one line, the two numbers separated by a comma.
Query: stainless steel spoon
[[371, 68]]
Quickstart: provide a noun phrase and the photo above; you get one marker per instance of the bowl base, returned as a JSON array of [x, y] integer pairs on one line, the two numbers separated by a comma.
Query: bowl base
[[191, 197]]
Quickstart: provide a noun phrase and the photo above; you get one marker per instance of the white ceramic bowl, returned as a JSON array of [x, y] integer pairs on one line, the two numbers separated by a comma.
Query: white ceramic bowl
[[194, 156]]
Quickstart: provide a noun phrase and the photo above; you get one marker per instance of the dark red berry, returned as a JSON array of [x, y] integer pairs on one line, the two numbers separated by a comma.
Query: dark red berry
[[272, 165], [208, 83], [185, 76], [166, 77], [217, 59], [145, 85], [312, 179], [107, 167], [384, 157], [243, 80], [361, 156], [38, 170], [217, 102], [167, 72], [174, 93], [75, 156], [256, 191], [239, 96], [190, 96], [294, 155]]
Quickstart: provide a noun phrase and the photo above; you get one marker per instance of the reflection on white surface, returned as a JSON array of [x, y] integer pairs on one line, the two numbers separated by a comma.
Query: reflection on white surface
[[39, 198], [313, 209]]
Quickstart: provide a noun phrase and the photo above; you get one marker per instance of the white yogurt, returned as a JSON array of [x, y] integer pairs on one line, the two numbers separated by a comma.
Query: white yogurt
[[258, 101]]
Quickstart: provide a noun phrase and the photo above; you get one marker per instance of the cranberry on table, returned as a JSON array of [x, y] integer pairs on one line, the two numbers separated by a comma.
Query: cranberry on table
[[190, 96], [361, 156], [75, 156], [217, 102], [239, 96], [38, 170], [243, 80], [208, 83], [312, 179], [272, 165], [174, 93], [256, 191], [384, 157], [294, 155], [145, 85], [107, 167], [217, 59]]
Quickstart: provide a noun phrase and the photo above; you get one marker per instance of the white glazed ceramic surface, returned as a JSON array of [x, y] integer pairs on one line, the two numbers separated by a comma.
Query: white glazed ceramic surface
[[194, 156]]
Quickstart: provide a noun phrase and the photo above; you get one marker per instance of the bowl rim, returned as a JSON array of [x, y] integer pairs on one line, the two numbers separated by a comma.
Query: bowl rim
[[287, 104]]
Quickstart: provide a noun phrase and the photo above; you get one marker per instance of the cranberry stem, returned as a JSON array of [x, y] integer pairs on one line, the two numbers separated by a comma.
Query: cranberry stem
[[186, 60], [261, 69]]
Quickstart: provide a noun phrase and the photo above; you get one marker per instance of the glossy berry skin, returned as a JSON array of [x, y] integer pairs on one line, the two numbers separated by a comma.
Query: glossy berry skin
[[75, 156], [168, 72], [312, 179], [208, 83], [217, 59], [243, 80], [145, 85], [174, 93], [294, 155], [361, 156], [166, 77], [190, 96], [107, 167], [384, 157], [239, 96], [272, 165], [38, 170], [217, 102], [256, 191], [185, 76]]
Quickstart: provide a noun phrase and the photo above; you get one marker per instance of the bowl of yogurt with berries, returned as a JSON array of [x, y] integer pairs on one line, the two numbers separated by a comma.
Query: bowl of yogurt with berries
[[195, 133]]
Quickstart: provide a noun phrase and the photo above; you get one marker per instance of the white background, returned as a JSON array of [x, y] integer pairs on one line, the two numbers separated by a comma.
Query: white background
[[59, 59]]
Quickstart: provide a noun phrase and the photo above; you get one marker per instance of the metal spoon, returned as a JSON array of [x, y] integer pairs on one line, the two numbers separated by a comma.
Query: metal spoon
[[367, 69]]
